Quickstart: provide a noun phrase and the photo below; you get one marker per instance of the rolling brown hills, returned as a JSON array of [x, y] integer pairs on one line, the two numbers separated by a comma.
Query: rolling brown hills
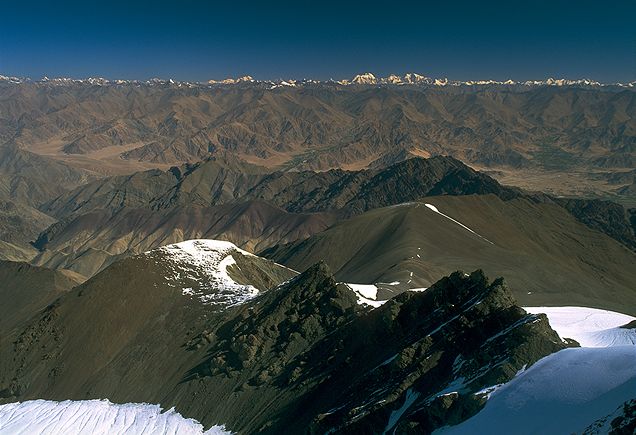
[[27, 181], [533, 136], [254, 208], [88, 242], [123, 215]]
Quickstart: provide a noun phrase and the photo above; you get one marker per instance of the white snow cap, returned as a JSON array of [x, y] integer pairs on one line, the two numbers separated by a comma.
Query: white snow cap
[[207, 261], [95, 417], [591, 327]]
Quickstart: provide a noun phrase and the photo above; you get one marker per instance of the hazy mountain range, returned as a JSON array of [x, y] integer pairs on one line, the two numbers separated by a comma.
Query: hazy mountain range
[[317, 257], [571, 140]]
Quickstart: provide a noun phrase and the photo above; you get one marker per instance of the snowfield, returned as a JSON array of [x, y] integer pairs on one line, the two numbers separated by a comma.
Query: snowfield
[[93, 417], [567, 391], [591, 327], [562, 393], [207, 261]]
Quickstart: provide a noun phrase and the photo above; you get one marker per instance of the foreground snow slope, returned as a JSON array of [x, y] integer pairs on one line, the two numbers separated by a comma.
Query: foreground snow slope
[[95, 417], [591, 327], [562, 393], [566, 391]]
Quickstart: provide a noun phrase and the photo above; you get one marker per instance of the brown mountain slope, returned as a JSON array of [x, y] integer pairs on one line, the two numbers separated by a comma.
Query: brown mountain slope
[[540, 247], [27, 181], [89, 242], [26, 289], [274, 362], [217, 181], [31, 179], [536, 131], [20, 223], [124, 215]]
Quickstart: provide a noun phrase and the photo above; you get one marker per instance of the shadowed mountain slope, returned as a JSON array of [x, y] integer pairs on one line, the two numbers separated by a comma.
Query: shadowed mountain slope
[[26, 289], [219, 181], [194, 325], [86, 243], [549, 257], [27, 181], [227, 198]]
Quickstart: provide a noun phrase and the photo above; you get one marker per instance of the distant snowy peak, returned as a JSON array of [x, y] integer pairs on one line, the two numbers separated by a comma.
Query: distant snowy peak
[[98, 81], [232, 81], [12, 79], [96, 417], [417, 79], [364, 79], [202, 269], [413, 78], [370, 79]]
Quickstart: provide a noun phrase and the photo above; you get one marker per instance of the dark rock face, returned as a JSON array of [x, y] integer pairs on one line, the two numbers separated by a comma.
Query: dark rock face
[[605, 216], [625, 424], [621, 422], [465, 181], [630, 325], [301, 357], [286, 322], [437, 350]]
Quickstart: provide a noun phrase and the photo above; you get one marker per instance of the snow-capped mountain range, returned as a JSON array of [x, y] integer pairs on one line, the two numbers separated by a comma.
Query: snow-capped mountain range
[[365, 79]]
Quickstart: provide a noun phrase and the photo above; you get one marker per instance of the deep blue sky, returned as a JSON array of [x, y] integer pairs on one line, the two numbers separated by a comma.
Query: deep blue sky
[[190, 40]]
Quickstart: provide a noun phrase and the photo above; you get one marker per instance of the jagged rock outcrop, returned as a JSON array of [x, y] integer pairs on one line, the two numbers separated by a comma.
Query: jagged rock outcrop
[[621, 422], [302, 354], [439, 348]]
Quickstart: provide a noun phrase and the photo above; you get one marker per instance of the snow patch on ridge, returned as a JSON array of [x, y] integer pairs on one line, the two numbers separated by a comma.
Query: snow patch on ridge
[[366, 293], [207, 261], [433, 208], [591, 327], [96, 417]]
